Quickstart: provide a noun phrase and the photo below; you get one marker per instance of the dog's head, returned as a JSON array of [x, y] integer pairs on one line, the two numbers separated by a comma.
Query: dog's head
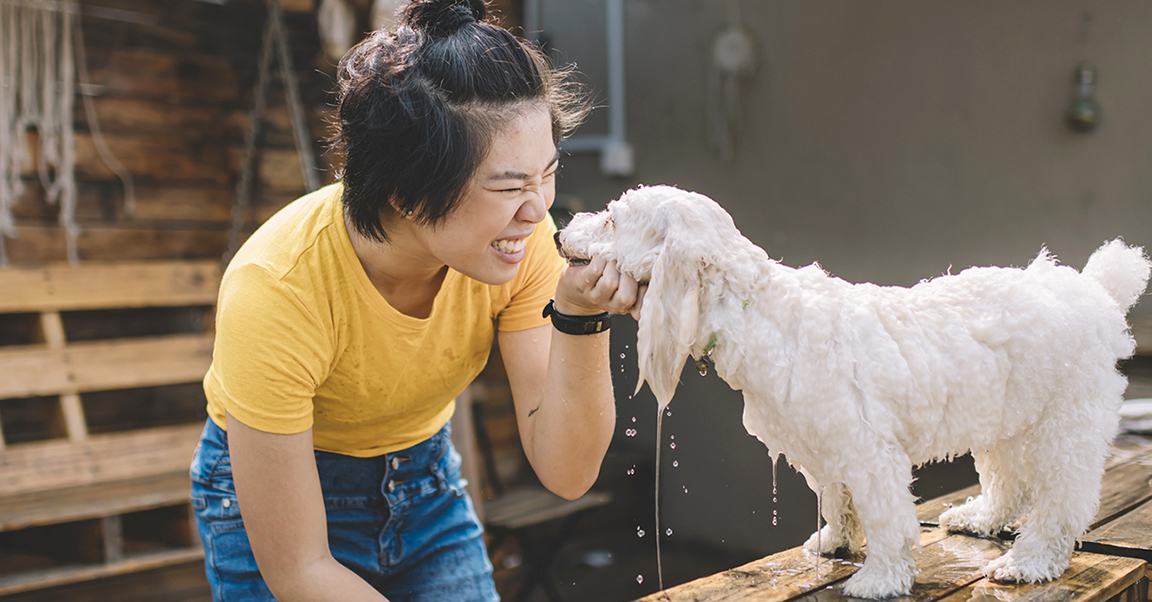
[[662, 236]]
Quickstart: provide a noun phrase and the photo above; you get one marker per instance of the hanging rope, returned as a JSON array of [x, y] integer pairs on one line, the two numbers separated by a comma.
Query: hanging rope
[[37, 85], [274, 32], [39, 46]]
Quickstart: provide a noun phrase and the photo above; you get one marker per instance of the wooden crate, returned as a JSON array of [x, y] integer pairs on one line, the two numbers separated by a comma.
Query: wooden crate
[[100, 411]]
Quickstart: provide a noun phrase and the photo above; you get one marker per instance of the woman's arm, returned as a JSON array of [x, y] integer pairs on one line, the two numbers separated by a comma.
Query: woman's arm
[[562, 384], [280, 500]]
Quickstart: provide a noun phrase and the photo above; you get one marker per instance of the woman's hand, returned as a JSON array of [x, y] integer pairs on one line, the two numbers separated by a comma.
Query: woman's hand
[[595, 288]]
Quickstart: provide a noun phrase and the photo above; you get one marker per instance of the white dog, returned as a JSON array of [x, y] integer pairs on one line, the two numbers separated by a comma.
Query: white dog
[[858, 383]]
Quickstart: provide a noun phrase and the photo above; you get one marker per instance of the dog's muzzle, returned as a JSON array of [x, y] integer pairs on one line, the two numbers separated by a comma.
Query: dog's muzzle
[[568, 257]]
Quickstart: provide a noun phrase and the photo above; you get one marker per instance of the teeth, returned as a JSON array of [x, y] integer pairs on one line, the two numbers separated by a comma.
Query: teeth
[[509, 246]]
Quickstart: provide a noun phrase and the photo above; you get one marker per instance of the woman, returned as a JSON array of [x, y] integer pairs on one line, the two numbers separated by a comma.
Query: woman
[[349, 322]]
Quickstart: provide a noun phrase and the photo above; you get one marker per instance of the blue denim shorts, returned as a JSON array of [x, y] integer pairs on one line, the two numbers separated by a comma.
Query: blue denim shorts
[[402, 521]]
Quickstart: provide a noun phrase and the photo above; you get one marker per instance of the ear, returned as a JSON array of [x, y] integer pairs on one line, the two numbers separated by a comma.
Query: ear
[[668, 321]]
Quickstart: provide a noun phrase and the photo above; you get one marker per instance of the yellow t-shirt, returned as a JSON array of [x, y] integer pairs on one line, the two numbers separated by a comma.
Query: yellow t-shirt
[[303, 338]]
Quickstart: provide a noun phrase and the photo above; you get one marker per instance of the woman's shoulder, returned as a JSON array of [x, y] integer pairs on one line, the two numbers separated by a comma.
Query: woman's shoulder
[[289, 236]]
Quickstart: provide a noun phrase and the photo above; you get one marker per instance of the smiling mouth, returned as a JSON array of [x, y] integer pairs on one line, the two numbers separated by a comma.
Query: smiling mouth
[[572, 260], [510, 245]]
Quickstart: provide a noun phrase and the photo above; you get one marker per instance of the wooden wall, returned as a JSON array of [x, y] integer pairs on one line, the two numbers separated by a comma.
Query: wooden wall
[[172, 82]]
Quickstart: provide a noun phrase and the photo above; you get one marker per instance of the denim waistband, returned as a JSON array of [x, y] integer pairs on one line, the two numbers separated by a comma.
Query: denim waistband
[[338, 473]]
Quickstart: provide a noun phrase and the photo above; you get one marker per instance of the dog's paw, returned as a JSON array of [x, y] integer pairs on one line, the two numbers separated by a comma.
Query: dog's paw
[[871, 583], [970, 518], [825, 542], [1010, 569]]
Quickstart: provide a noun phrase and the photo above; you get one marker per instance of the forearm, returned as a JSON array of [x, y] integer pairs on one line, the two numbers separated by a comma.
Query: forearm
[[573, 423], [322, 580]]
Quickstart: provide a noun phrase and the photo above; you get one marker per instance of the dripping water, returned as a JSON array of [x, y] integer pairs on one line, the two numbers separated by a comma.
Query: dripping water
[[819, 546], [775, 515], [659, 562]]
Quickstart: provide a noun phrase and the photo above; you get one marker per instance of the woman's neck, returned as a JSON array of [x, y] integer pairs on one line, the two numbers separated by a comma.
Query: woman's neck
[[407, 280]]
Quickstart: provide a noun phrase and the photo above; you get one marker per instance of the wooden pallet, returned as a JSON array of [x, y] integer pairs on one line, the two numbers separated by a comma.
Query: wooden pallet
[[88, 488], [950, 565]]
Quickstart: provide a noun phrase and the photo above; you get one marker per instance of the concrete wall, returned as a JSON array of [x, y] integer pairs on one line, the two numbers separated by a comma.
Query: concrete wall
[[888, 140]]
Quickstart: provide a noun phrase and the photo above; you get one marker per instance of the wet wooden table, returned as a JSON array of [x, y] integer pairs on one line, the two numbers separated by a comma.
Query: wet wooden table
[[1111, 565]]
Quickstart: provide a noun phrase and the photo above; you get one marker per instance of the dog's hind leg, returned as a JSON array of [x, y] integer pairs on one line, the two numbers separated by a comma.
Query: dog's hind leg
[[1066, 463], [887, 513], [1004, 493], [843, 530]]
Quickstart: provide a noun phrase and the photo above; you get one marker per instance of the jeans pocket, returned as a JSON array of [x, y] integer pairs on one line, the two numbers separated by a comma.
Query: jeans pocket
[[216, 506]]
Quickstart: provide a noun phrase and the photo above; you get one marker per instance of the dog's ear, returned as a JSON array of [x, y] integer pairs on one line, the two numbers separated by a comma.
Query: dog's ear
[[668, 320]]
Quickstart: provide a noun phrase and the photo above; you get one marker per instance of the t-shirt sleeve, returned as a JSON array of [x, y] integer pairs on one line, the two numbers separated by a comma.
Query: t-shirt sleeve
[[535, 283], [270, 352]]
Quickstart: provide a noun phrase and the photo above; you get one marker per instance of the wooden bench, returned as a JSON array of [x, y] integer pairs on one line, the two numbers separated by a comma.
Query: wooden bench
[[93, 463], [1110, 566]]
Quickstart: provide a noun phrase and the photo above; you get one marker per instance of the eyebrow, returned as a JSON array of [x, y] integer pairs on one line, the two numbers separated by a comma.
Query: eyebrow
[[519, 175]]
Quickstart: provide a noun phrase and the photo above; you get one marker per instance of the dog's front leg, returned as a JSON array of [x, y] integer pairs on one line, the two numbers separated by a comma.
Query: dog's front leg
[[887, 512]]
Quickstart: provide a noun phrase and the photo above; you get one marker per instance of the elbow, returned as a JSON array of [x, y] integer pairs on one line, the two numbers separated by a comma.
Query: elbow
[[570, 489]]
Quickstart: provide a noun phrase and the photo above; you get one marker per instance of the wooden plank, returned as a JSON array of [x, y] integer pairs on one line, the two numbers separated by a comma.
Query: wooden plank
[[94, 501], [535, 505], [109, 285], [47, 465], [1128, 535], [76, 573], [786, 576], [1089, 578], [99, 241], [36, 370], [183, 582], [113, 531], [51, 327], [73, 414]]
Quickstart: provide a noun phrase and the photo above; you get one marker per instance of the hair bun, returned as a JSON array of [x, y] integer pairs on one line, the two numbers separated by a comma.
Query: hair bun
[[441, 18]]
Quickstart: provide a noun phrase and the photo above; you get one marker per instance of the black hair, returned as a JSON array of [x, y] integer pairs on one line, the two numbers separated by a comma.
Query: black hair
[[418, 107]]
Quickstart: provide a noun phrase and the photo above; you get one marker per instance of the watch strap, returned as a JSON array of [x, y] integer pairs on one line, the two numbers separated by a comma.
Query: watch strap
[[577, 324]]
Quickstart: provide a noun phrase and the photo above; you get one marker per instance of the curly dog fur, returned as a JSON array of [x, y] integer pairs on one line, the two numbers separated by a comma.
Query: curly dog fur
[[858, 383]]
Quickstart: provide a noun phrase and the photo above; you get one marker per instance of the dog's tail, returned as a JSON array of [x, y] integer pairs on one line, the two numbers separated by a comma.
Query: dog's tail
[[1123, 271]]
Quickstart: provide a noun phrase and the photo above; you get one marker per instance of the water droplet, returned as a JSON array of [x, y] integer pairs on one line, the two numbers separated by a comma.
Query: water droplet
[[639, 578], [668, 412], [631, 471], [630, 432], [621, 356], [672, 445], [639, 532], [633, 419], [668, 533], [685, 489], [672, 436], [675, 463]]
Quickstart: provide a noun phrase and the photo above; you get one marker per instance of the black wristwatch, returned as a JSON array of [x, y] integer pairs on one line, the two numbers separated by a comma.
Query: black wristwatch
[[577, 324]]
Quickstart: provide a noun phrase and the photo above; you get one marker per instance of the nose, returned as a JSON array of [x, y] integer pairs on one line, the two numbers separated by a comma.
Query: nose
[[535, 208], [556, 237]]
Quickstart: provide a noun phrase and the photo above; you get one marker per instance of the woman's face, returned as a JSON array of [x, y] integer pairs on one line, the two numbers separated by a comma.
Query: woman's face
[[510, 193]]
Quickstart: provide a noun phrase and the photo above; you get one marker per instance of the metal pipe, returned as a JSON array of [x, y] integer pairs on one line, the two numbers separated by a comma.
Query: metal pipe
[[615, 153]]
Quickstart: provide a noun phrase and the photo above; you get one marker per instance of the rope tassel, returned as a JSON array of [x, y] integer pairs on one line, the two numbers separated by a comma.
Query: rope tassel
[[40, 44]]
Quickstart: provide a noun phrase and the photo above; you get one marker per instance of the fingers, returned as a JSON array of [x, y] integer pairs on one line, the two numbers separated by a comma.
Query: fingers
[[639, 305], [596, 287]]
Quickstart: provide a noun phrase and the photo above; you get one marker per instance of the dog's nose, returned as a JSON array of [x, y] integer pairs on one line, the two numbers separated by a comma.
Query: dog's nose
[[556, 237]]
